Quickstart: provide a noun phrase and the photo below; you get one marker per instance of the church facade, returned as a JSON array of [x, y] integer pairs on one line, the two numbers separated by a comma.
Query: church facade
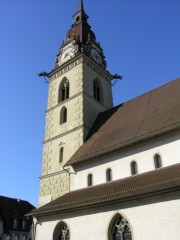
[[108, 172]]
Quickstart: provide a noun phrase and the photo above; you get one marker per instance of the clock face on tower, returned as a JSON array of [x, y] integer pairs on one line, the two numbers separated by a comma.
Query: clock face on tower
[[67, 53], [96, 56]]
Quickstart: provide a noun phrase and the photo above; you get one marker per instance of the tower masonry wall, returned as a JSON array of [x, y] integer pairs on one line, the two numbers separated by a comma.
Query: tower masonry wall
[[92, 107], [54, 181], [82, 110]]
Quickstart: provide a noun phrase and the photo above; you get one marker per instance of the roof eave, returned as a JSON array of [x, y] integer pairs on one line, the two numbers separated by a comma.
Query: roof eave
[[105, 203], [117, 147]]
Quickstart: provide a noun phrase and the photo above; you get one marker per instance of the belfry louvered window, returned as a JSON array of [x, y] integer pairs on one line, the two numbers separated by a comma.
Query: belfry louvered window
[[97, 89], [64, 90]]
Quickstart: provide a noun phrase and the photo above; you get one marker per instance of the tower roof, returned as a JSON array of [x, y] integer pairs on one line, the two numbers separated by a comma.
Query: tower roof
[[82, 35], [81, 6]]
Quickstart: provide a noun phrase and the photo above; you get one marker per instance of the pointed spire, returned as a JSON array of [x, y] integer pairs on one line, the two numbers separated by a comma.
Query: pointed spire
[[81, 6]]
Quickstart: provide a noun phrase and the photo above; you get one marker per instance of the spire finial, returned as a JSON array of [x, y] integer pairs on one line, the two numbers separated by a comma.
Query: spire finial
[[81, 7]]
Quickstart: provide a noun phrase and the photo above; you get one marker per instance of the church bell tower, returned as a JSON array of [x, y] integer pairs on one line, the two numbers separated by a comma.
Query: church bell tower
[[79, 89]]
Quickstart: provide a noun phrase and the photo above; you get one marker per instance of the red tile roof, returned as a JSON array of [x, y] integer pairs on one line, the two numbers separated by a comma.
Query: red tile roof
[[149, 183], [151, 114]]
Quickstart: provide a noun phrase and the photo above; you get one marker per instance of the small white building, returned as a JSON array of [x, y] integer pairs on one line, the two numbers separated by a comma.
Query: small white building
[[108, 173]]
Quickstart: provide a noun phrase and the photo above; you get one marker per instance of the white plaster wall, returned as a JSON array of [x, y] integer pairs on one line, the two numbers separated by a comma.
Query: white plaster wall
[[167, 146], [155, 219]]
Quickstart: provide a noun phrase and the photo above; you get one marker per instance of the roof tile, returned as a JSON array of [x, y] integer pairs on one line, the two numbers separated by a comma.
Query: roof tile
[[146, 116], [162, 179]]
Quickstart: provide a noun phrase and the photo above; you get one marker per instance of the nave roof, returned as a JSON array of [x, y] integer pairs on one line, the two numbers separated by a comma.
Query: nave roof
[[166, 179], [147, 116]]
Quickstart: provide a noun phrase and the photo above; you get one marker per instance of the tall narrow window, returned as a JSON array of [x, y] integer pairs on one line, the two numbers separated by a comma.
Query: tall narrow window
[[97, 90], [90, 180], [63, 115], [61, 153], [15, 223], [108, 175], [134, 169], [23, 224], [157, 161], [61, 232], [64, 90], [119, 229]]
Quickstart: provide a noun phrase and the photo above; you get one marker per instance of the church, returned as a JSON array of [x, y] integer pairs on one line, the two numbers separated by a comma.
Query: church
[[108, 173]]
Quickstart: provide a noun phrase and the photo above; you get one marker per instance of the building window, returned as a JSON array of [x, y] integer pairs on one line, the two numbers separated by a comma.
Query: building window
[[61, 153], [61, 232], [108, 175], [157, 161], [63, 115], [24, 237], [16, 237], [134, 169], [23, 224], [15, 223], [97, 89], [90, 180], [64, 90], [119, 229]]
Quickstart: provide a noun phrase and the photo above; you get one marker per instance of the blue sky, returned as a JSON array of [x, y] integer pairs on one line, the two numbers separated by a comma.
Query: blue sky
[[141, 41]]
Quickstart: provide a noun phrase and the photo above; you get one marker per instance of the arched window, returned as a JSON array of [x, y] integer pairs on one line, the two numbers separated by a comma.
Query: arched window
[[108, 175], [157, 161], [61, 153], [63, 90], [61, 232], [119, 229], [97, 91], [63, 115], [134, 169], [90, 180]]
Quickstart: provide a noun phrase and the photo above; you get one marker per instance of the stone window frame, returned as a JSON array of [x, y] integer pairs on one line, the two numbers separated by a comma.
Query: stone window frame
[[97, 90], [63, 115], [64, 90], [61, 231], [119, 228], [61, 154]]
